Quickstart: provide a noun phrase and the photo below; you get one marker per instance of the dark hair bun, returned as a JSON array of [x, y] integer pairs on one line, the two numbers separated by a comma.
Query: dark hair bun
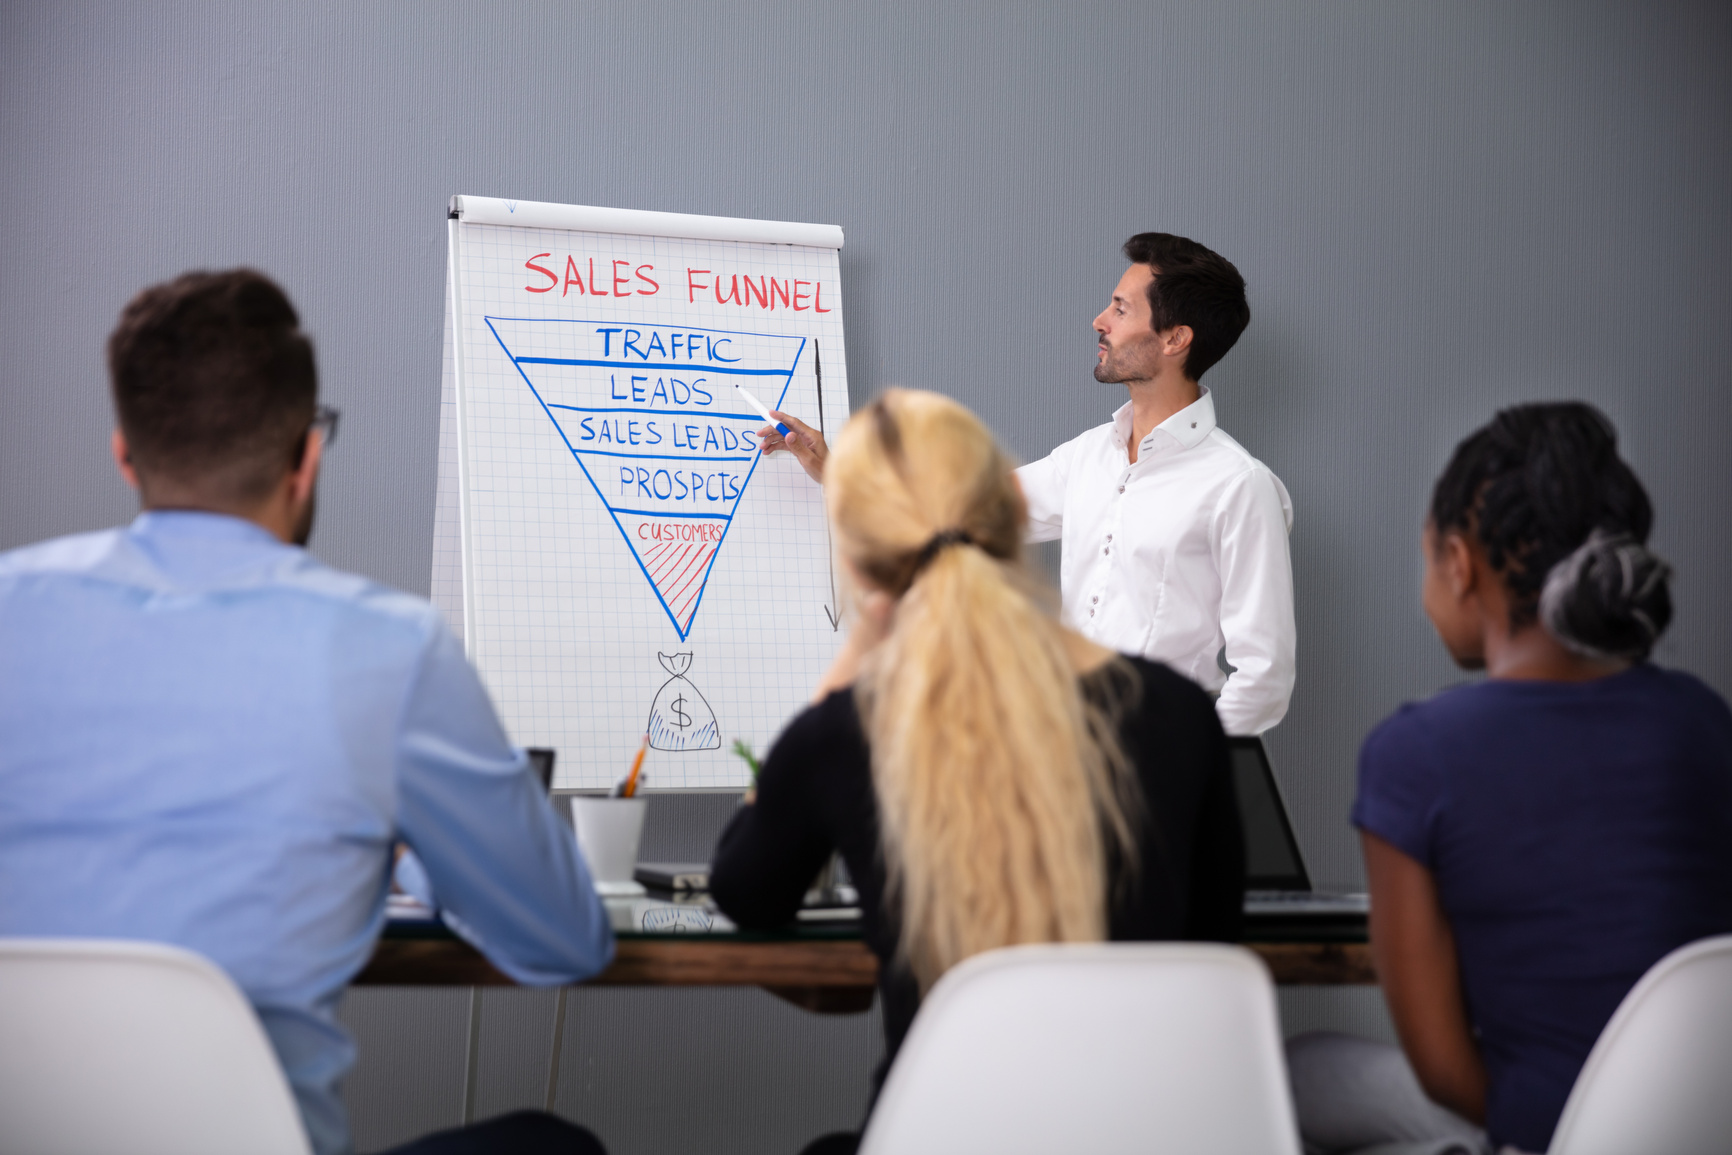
[[1608, 599]]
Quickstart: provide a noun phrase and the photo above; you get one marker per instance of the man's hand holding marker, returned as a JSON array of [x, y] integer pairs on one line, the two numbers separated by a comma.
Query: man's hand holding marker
[[790, 433], [804, 442]]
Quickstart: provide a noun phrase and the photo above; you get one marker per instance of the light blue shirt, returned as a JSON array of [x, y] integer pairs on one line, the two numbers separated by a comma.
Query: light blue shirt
[[210, 739]]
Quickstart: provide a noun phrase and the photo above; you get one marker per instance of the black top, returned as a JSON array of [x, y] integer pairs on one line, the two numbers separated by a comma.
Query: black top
[[815, 796]]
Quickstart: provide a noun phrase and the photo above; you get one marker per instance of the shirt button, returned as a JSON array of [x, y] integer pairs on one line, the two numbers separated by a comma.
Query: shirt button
[[1121, 489], [1091, 613], [1109, 537]]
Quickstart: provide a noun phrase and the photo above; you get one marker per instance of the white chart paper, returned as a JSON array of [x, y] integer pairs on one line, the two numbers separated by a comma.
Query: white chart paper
[[618, 557]]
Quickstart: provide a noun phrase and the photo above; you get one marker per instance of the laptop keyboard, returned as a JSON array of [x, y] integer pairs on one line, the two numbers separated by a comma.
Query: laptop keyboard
[[1305, 902]]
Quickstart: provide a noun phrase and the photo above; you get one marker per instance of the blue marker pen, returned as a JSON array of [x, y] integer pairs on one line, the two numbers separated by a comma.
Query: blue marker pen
[[763, 410]]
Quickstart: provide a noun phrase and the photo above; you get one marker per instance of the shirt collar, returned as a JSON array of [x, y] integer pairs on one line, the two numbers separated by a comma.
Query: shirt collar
[[200, 524], [1122, 417], [1188, 427]]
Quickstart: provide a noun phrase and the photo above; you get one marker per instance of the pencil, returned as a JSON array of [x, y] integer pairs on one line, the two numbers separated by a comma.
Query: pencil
[[636, 766]]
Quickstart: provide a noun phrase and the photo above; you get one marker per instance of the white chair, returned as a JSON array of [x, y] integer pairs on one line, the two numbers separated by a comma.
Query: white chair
[[1092, 1050], [1659, 1080], [110, 1047]]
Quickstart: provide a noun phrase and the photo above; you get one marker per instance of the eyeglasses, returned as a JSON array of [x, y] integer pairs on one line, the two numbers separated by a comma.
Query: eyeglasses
[[325, 419]]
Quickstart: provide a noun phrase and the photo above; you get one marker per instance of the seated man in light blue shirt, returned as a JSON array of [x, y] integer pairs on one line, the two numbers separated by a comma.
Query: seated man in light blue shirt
[[209, 739]]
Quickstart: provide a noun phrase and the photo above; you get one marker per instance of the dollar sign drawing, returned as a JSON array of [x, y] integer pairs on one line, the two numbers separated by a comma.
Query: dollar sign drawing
[[681, 718]]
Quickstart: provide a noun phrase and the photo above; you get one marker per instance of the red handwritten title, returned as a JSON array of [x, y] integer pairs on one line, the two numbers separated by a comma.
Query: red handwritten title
[[616, 278]]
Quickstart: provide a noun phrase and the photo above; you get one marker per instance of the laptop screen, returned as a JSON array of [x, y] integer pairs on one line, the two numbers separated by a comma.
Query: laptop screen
[[542, 759], [1272, 860]]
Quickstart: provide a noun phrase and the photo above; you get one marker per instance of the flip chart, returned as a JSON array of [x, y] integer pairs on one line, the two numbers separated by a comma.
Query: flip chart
[[615, 553]]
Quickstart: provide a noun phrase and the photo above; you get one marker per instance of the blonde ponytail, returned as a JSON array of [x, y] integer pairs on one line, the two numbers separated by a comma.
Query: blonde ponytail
[[1002, 794]]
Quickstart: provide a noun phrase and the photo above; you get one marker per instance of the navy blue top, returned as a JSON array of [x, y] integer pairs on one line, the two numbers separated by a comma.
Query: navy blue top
[[1578, 833]]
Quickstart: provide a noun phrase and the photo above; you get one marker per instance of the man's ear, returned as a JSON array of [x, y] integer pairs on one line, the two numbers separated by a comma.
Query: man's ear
[[1175, 342], [123, 458], [306, 474]]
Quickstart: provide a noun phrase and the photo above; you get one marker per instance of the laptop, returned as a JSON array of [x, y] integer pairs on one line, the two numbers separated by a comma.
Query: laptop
[[1280, 901], [541, 758], [1278, 890]]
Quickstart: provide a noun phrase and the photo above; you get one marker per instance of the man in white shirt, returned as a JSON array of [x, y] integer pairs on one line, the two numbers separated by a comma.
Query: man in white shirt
[[1175, 538]]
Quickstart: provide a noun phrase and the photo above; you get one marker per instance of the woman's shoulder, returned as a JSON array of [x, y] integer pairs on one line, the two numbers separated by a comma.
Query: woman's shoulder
[[1679, 711], [831, 722], [1410, 739], [1459, 709], [1685, 688], [1642, 689], [1153, 691], [834, 709], [1167, 724], [820, 753], [1450, 729]]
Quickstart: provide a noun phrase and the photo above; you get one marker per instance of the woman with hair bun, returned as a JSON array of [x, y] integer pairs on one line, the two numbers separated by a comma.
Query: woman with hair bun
[[989, 777], [1537, 840]]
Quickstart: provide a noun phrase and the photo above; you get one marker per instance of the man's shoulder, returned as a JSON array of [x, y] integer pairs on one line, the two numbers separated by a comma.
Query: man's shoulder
[[1221, 450], [359, 594], [73, 554], [1091, 439], [1059, 465], [110, 557], [1236, 468]]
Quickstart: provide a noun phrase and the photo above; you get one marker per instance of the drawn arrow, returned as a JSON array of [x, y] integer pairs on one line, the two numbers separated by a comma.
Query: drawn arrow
[[831, 611]]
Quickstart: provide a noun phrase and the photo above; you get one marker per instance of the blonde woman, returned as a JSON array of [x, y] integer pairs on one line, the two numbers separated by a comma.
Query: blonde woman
[[990, 777]]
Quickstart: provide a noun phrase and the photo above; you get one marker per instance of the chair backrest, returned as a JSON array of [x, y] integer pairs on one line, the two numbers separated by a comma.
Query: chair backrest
[[1092, 1049], [134, 1047], [1659, 1080]]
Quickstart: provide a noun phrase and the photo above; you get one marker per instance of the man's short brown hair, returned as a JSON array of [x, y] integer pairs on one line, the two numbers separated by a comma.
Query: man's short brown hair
[[1192, 286], [214, 384]]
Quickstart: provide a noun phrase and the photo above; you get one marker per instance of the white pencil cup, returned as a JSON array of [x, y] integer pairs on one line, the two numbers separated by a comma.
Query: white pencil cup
[[609, 830]]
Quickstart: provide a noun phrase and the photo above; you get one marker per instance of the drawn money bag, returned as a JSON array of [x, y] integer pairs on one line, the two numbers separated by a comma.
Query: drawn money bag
[[680, 719]]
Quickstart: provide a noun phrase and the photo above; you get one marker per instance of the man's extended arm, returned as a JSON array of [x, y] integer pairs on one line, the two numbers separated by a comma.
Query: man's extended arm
[[1043, 488], [1250, 539], [499, 858], [1043, 481]]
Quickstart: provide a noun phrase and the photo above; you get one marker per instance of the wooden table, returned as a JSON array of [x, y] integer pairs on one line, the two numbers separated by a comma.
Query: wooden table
[[822, 969]]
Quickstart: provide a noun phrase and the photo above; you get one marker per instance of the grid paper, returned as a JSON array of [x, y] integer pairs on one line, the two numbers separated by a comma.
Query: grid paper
[[577, 634]]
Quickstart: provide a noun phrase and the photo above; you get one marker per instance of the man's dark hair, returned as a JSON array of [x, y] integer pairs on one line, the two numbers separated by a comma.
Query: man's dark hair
[[1564, 521], [214, 384], [1193, 286]]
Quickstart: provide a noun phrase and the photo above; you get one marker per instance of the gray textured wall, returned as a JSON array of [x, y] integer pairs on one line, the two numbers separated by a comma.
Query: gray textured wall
[[1440, 209]]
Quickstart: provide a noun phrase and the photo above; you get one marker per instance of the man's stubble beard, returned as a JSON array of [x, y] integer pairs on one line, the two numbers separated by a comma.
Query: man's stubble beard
[[1114, 370], [1109, 372]]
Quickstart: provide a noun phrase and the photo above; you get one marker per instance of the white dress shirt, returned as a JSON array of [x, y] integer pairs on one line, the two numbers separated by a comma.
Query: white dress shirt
[[1176, 556]]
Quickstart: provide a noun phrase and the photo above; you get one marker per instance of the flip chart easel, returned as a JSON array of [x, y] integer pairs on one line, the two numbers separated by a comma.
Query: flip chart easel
[[614, 552]]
